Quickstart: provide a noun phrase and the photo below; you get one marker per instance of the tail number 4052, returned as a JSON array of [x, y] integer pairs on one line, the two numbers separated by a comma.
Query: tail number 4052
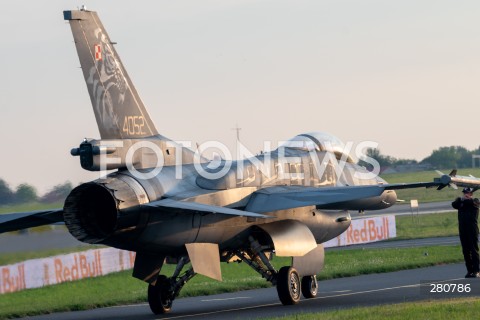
[[134, 125]]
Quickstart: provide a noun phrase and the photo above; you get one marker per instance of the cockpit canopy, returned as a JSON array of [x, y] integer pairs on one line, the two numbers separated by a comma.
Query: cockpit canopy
[[319, 141]]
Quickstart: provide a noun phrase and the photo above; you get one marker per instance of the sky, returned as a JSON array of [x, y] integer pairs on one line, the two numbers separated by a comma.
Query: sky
[[404, 74]]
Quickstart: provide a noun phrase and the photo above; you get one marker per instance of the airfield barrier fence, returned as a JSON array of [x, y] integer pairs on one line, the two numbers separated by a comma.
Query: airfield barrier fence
[[37, 273]]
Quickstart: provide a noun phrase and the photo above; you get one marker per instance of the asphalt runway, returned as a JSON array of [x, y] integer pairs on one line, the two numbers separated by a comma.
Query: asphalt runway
[[56, 238], [437, 241], [367, 290]]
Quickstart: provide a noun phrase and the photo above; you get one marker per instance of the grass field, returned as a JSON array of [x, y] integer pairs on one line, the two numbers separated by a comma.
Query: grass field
[[427, 225], [451, 309], [33, 206]]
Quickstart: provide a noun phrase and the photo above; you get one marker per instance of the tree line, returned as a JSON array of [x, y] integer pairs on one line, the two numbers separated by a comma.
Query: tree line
[[453, 157], [26, 193]]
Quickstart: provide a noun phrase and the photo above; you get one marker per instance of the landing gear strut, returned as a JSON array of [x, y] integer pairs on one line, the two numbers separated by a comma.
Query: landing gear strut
[[165, 290], [290, 286]]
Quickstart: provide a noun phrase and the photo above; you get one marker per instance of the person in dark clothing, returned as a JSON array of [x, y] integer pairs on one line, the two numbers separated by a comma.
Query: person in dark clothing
[[467, 208]]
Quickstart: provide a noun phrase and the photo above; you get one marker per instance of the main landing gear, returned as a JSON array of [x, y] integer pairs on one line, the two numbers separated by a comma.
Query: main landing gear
[[290, 286], [165, 290]]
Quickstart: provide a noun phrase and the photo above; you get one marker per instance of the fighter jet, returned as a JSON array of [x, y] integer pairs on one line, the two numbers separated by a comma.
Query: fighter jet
[[169, 204]]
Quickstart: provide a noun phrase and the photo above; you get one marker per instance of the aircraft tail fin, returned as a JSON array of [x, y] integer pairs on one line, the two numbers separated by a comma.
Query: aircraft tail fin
[[119, 111]]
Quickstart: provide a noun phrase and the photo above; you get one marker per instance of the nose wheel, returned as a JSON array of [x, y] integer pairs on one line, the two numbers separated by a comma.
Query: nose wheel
[[288, 285]]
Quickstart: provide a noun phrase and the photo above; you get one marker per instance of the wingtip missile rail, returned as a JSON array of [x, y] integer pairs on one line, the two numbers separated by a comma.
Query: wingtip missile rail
[[454, 181]]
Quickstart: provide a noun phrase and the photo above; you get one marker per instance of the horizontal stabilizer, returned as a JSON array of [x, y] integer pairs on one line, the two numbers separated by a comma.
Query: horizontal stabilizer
[[200, 207], [24, 220]]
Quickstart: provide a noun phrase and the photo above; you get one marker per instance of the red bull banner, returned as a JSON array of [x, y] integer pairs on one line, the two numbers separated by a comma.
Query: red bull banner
[[366, 230], [68, 267]]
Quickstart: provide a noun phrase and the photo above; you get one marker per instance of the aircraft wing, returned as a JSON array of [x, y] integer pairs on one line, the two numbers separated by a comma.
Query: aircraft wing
[[23, 220], [170, 204], [345, 197], [288, 197]]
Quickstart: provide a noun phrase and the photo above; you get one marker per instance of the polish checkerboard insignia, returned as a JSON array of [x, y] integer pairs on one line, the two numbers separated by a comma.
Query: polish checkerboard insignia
[[98, 52]]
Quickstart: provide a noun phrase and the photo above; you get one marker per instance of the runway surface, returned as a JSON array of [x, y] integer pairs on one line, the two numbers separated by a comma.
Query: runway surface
[[438, 241], [375, 289]]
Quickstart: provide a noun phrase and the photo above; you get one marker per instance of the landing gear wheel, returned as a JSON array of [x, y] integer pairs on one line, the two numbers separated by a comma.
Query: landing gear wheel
[[158, 297], [309, 286], [288, 286]]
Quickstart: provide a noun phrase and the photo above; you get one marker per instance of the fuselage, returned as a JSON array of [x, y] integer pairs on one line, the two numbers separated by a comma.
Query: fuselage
[[110, 210]]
